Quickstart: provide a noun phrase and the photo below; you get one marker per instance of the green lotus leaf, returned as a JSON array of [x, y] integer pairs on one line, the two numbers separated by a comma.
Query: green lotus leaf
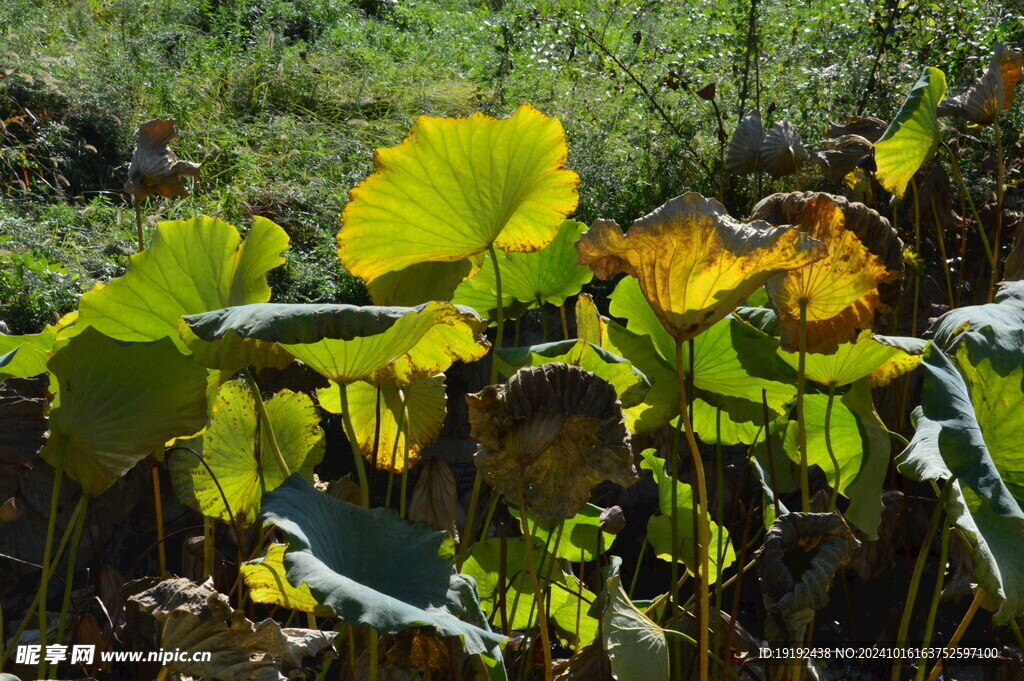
[[968, 426], [860, 444], [549, 275], [371, 567], [1006, 312], [636, 646], [268, 583], [484, 565], [22, 356], [659, 527], [238, 453], [881, 358], [119, 402], [455, 187], [425, 401], [913, 136], [578, 540], [192, 266], [630, 384], [695, 263], [348, 343]]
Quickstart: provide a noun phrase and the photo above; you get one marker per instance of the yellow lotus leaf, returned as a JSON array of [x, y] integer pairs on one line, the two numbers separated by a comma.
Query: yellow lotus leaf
[[842, 291], [694, 262], [879, 358], [450, 190], [267, 583]]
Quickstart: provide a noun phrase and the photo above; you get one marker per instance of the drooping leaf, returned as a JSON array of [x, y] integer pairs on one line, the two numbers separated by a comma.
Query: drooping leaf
[[691, 245], [237, 450], [868, 127], [192, 266], [744, 154], [549, 275], [968, 426], [347, 343], [26, 355], [912, 137], [453, 188], [425, 404], [267, 583], [154, 168], [630, 384], [881, 358], [1006, 312], [659, 527], [637, 647], [484, 565], [992, 93], [783, 152], [841, 156], [370, 567], [435, 500], [118, 403], [842, 291], [550, 434]]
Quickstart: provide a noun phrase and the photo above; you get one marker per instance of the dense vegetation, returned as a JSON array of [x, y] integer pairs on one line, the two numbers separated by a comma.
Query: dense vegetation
[[778, 406]]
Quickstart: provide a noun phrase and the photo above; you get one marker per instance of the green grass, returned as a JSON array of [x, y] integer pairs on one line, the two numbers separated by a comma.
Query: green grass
[[284, 103]]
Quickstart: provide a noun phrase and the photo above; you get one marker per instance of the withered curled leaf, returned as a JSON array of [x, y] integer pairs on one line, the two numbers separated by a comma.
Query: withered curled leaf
[[842, 292], [868, 127], [792, 599], [783, 152], [744, 154], [841, 155], [559, 429], [154, 168], [695, 263], [435, 500], [992, 93]]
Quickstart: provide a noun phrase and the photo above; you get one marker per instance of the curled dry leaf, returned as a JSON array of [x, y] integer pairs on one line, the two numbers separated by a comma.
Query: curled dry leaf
[[992, 93], [840, 155], [744, 154], [10, 510], [435, 500], [613, 520], [559, 429], [790, 599], [783, 152], [868, 127], [154, 168], [694, 262], [935, 198], [842, 292]]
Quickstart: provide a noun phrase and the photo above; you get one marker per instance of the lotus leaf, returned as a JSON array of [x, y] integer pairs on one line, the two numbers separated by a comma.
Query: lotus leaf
[[783, 152], [424, 401], [692, 246], [347, 343], [1007, 312], [24, 356], [992, 93], [880, 358], [371, 567], [192, 266], [843, 290], [118, 403], [455, 187], [636, 646], [968, 426], [435, 500], [912, 137], [154, 168], [579, 534], [239, 455], [744, 154], [267, 583], [868, 127]]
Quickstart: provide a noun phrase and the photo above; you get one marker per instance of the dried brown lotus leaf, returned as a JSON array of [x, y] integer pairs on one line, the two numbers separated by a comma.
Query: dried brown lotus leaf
[[935, 198], [860, 275], [744, 154], [423, 648], [792, 599], [694, 262], [992, 93], [868, 127], [590, 663], [10, 510], [435, 499], [783, 152], [154, 168], [558, 426], [841, 155]]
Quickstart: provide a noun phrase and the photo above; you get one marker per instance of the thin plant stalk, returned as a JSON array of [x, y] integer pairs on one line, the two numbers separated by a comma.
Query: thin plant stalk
[[371, 651], [208, 530], [69, 580], [915, 578], [720, 546], [955, 165], [467, 532], [917, 249], [44, 585], [801, 426], [158, 510], [357, 456], [1000, 171], [394, 453], [565, 323], [138, 224], [954, 640], [940, 579], [492, 506], [701, 569], [405, 456], [261, 409], [542, 617], [942, 251], [639, 562], [768, 449], [828, 446]]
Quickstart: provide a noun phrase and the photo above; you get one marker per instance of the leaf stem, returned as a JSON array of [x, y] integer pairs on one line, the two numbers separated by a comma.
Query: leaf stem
[[1000, 171], [542, 616], [357, 455], [371, 651], [499, 312], [828, 446], [955, 164], [936, 593], [158, 510], [76, 539], [801, 426], [979, 596], [51, 526], [138, 224], [261, 409]]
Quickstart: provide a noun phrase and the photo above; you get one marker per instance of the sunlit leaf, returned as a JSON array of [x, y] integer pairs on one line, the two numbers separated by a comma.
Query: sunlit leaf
[[237, 450], [154, 168], [744, 154], [267, 582], [913, 135], [694, 262], [637, 647], [1005, 313], [118, 403], [783, 152], [425, 405], [454, 187], [842, 291], [992, 93], [370, 567], [883, 358], [579, 534]]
